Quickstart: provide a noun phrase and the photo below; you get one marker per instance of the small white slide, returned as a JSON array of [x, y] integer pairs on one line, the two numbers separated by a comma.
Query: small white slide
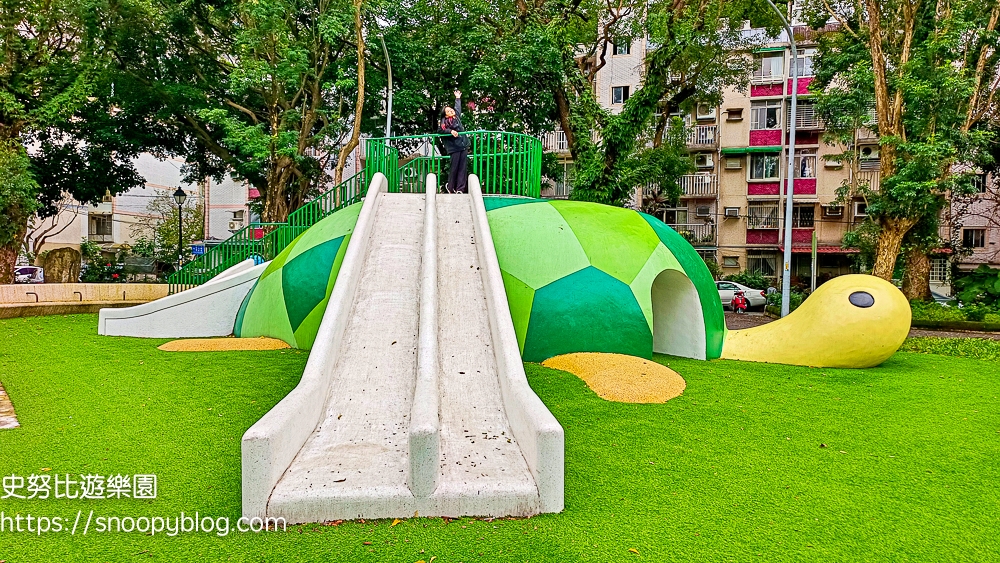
[[414, 398], [207, 310]]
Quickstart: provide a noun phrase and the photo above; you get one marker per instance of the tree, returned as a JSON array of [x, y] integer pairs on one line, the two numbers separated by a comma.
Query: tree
[[928, 72], [159, 226], [52, 100], [258, 89]]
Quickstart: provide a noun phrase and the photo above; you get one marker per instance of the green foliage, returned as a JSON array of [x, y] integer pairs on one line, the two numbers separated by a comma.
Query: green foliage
[[714, 268], [774, 301], [749, 278], [18, 195], [981, 286], [90, 251], [156, 231], [104, 272], [972, 311], [975, 348]]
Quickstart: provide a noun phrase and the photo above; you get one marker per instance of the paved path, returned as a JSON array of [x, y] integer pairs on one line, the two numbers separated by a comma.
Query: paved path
[[749, 320], [7, 417]]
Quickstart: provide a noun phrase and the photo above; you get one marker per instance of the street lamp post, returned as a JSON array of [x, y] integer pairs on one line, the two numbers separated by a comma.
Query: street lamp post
[[786, 273], [388, 91], [180, 197]]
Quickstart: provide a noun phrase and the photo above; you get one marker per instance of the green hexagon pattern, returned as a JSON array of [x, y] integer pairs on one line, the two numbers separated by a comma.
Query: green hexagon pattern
[[290, 297], [578, 277]]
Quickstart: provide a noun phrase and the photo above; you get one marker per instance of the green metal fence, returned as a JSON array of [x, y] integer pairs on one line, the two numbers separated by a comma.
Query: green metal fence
[[506, 163]]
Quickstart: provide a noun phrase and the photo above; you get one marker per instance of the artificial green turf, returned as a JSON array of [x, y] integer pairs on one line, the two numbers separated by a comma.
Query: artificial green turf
[[733, 470], [978, 348]]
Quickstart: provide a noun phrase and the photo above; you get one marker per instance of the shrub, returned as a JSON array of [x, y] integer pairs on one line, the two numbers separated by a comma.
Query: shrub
[[774, 301], [754, 280]]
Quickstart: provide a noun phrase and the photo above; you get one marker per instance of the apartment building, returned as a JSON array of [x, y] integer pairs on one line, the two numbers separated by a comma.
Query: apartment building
[[117, 220], [732, 207]]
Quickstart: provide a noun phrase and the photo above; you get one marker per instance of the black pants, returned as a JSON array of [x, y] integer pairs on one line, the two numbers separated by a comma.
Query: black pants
[[458, 176]]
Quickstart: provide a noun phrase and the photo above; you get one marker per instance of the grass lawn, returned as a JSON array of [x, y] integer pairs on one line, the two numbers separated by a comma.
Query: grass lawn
[[753, 463]]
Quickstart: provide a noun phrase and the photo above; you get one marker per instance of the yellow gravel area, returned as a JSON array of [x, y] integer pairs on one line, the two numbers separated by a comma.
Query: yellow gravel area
[[621, 378], [223, 344]]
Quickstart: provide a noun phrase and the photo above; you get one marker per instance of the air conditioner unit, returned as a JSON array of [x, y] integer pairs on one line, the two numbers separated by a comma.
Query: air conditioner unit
[[703, 211], [833, 210], [832, 164], [235, 225], [734, 162], [705, 111], [732, 213], [869, 153], [704, 161]]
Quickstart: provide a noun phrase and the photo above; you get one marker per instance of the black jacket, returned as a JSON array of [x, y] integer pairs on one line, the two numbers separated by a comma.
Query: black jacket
[[454, 144]]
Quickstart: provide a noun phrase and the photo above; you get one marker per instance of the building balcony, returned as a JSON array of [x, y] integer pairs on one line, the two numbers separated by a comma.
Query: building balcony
[[698, 234], [703, 136], [555, 141], [699, 185], [102, 238], [870, 177]]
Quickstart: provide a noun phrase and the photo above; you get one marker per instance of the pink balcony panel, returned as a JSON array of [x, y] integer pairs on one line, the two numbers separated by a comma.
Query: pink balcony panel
[[253, 193], [806, 137], [758, 90], [762, 236], [765, 137], [803, 85], [763, 188], [802, 236], [805, 186]]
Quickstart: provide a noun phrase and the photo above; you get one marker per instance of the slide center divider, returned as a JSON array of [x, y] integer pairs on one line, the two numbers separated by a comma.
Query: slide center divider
[[425, 426]]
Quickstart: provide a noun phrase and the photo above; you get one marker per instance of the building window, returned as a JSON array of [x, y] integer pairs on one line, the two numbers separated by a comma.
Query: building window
[[763, 166], [619, 94], [621, 48], [802, 216], [769, 67], [764, 263], [939, 270], [974, 238], [762, 216], [979, 183], [805, 115], [707, 255], [805, 163], [100, 228], [238, 215], [730, 261], [765, 115], [734, 114], [804, 66]]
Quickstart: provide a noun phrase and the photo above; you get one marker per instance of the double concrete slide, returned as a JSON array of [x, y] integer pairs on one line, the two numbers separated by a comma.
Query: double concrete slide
[[414, 398]]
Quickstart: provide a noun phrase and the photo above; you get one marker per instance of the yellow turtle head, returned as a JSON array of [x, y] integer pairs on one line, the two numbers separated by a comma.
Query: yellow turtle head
[[852, 321]]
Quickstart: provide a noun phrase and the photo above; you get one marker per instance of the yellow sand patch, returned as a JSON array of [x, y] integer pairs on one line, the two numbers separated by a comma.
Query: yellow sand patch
[[223, 344], [621, 378]]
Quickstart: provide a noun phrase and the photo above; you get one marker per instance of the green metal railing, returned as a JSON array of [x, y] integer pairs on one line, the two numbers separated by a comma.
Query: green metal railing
[[252, 240], [349, 191], [506, 163]]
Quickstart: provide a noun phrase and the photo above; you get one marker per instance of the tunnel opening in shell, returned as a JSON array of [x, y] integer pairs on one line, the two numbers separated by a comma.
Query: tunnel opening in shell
[[678, 319]]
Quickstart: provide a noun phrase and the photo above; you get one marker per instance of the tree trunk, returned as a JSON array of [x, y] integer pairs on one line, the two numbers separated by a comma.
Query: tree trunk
[[276, 203], [890, 240], [562, 108], [917, 279], [338, 175], [8, 260]]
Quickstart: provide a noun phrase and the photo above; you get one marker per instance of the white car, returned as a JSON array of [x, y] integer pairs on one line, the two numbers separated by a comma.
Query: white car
[[755, 297], [29, 274]]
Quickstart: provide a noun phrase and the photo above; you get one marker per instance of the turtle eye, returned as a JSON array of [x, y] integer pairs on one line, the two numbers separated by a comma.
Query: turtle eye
[[862, 299]]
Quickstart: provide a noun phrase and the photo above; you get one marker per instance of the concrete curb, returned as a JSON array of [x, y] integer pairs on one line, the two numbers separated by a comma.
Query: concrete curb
[[16, 310], [207, 310], [424, 435], [537, 432], [270, 445]]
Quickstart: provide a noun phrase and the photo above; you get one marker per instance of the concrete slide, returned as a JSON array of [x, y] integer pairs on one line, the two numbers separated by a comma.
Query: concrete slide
[[414, 399], [207, 310]]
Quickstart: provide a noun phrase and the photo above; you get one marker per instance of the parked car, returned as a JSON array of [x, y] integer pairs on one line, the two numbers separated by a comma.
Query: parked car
[[29, 274], [755, 297]]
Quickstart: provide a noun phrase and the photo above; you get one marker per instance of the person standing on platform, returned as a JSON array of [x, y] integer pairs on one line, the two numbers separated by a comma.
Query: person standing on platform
[[457, 147]]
